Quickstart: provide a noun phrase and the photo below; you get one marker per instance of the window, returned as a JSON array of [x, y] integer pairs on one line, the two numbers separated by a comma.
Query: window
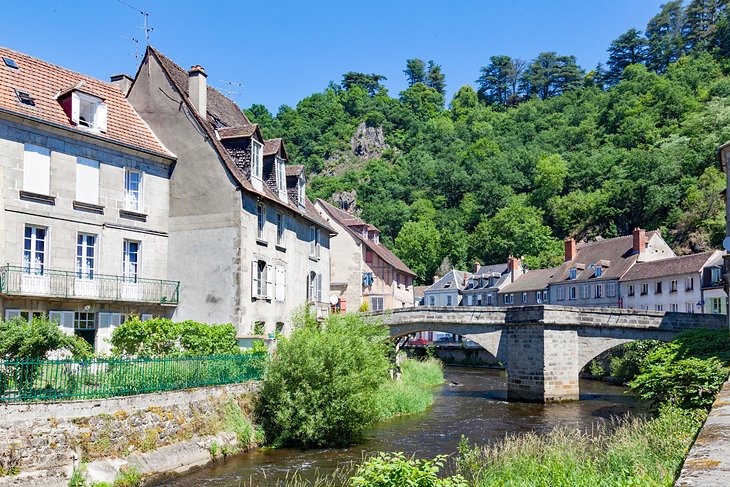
[[644, 288], [538, 297], [280, 175], [301, 196], [25, 98], [431, 300], [376, 303], [524, 297], [599, 291], [631, 290], [716, 275], [573, 292], [84, 321], [260, 220], [37, 169], [599, 271], [9, 62], [479, 300], [87, 180], [585, 291], [489, 299], [561, 293], [88, 111], [659, 307], [469, 300], [279, 229], [544, 296], [658, 287], [611, 289], [85, 255], [689, 284], [132, 190], [34, 250], [511, 298], [716, 305], [673, 286], [314, 287], [368, 256], [448, 300], [572, 273], [257, 158], [689, 307], [314, 247], [675, 307], [130, 262], [259, 279]]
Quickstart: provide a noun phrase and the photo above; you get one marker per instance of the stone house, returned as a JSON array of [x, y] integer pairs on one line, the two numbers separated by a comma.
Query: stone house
[[529, 289], [675, 284], [363, 270], [485, 282], [244, 240], [591, 272], [84, 202], [447, 290]]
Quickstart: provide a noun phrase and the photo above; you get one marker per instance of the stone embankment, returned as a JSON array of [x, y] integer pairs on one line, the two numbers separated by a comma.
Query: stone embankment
[[708, 461], [42, 443]]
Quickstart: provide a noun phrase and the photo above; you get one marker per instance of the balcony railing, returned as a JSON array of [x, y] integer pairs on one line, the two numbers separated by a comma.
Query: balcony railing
[[64, 284]]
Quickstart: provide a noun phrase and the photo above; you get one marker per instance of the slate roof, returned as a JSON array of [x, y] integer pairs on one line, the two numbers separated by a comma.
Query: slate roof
[[454, 279], [532, 280], [45, 81], [418, 291], [343, 218], [618, 251], [684, 264], [240, 131], [294, 170], [224, 115], [272, 147]]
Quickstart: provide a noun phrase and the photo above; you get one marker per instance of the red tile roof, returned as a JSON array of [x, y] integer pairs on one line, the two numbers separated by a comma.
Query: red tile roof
[[343, 218], [45, 81]]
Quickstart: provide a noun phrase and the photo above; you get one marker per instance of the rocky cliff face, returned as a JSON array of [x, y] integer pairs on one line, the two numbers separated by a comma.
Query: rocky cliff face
[[368, 142]]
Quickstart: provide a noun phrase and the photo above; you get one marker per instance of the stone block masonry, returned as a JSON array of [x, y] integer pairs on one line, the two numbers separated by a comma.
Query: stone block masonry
[[45, 442]]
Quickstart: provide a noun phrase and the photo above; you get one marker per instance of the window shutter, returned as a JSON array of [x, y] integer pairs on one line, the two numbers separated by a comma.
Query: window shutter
[[280, 283], [101, 115], [12, 313], [254, 278], [319, 288], [65, 320], [269, 281], [75, 108], [37, 169], [105, 320], [87, 180], [116, 320]]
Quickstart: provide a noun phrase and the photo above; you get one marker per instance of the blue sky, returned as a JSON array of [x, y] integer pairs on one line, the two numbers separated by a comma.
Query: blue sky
[[282, 51]]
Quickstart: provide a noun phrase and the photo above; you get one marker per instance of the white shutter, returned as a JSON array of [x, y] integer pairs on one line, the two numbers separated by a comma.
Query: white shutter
[[11, 313], [75, 107], [319, 288], [105, 320], [269, 281], [37, 169], [103, 333], [87, 180], [65, 320], [280, 284], [146, 317], [254, 278], [101, 116]]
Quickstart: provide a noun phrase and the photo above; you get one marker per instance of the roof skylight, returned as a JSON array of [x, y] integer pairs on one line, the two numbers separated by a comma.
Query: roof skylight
[[10, 62]]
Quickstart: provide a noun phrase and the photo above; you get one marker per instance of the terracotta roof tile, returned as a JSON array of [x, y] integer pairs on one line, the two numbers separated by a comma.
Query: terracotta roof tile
[[45, 81]]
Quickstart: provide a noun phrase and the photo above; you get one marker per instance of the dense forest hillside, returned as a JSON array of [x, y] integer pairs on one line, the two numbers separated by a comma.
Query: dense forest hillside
[[538, 150]]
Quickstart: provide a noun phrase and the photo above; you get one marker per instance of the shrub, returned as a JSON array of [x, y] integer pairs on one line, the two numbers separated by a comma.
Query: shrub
[[22, 339], [163, 337], [395, 470], [320, 387], [626, 362]]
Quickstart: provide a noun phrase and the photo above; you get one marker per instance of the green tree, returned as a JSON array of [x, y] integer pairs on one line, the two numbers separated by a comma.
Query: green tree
[[665, 37], [419, 245], [550, 174], [23, 339], [368, 82], [700, 22], [629, 48], [435, 79], [550, 75], [415, 71]]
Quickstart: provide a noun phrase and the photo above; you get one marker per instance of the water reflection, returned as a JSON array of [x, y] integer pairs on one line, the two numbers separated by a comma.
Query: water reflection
[[476, 408]]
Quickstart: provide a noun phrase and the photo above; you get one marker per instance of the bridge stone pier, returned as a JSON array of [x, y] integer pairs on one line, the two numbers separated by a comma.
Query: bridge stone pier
[[544, 348]]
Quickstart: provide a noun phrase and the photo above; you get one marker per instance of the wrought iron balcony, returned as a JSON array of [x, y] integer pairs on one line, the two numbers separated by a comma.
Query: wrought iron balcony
[[21, 281]]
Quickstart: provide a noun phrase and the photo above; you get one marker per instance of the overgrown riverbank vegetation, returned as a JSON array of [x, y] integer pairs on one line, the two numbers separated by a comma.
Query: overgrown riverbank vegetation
[[329, 381]]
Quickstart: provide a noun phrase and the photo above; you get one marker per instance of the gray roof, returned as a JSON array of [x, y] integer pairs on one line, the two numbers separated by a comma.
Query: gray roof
[[453, 280], [532, 280], [685, 264]]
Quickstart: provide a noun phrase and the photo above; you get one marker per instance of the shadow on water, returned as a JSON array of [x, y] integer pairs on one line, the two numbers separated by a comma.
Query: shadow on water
[[476, 408]]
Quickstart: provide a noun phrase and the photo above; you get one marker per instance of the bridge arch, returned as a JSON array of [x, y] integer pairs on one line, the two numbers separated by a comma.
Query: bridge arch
[[489, 339]]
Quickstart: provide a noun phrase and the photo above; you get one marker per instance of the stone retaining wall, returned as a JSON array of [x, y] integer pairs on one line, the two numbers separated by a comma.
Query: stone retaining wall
[[47, 441]]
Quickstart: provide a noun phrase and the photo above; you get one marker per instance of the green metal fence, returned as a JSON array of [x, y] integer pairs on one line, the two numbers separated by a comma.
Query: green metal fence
[[63, 380]]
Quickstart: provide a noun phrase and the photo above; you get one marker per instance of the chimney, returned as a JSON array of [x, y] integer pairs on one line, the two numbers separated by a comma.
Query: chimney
[[123, 82], [639, 240], [569, 249], [435, 278], [198, 89], [513, 265], [476, 267]]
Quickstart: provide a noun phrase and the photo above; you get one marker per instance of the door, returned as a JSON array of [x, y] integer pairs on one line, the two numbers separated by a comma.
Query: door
[[85, 284]]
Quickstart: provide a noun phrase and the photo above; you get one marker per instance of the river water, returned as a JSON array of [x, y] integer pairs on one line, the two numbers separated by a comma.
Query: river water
[[476, 409]]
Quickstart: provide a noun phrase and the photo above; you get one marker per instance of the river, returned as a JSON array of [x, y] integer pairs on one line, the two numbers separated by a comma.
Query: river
[[476, 409]]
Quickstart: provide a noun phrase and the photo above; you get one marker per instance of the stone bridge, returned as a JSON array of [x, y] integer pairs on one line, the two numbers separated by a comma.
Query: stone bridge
[[544, 348]]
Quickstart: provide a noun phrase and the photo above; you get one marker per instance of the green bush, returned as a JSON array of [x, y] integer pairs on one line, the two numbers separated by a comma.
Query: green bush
[[160, 337], [320, 387], [687, 372], [22, 339], [395, 470], [626, 362]]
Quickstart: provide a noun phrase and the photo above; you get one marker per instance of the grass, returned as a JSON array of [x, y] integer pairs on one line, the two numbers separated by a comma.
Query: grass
[[635, 452], [411, 393]]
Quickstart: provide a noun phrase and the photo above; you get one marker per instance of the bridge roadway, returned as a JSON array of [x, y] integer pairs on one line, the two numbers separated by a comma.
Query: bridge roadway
[[545, 347]]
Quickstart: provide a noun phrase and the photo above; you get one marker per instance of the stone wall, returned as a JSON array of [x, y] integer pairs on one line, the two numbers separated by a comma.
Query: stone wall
[[49, 440]]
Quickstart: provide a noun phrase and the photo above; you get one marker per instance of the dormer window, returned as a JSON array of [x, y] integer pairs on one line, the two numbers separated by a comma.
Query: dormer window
[[599, 271], [280, 175], [573, 273], [88, 111], [257, 158]]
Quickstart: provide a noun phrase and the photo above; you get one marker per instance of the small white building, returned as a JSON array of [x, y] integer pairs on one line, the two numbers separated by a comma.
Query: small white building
[[677, 284], [446, 291]]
